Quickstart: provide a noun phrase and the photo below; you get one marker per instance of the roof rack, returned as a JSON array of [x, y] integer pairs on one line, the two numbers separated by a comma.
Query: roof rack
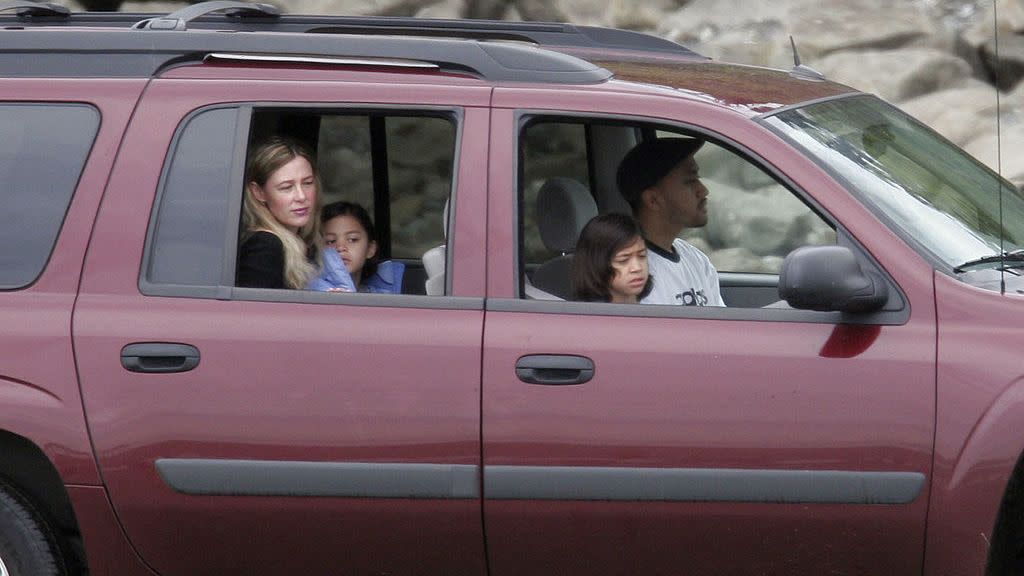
[[251, 17], [128, 53]]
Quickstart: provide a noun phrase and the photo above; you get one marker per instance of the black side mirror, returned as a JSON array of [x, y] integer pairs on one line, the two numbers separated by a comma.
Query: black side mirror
[[829, 278]]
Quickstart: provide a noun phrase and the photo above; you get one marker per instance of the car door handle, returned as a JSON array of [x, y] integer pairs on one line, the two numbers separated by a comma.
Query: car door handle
[[554, 369], [159, 357]]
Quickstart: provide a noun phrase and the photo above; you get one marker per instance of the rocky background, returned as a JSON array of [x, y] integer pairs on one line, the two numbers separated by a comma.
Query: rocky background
[[936, 59], [956, 65]]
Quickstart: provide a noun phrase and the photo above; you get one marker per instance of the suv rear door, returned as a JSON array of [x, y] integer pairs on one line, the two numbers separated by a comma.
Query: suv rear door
[[318, 433], [705, 441]]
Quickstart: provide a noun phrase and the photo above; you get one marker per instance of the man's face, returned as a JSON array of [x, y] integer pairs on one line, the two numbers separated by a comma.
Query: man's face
[[681, 197]]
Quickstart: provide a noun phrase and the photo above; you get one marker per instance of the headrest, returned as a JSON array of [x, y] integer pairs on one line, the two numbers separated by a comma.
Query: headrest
[[564, 206]]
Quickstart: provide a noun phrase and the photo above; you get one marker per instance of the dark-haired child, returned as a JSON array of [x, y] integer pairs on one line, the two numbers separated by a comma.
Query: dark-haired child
[[348, 229], [610, 262]]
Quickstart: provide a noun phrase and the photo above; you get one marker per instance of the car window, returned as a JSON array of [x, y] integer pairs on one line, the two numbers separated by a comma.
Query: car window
[[753, 219], [188, 246], [956, 212], [397, 166], [42, 154]]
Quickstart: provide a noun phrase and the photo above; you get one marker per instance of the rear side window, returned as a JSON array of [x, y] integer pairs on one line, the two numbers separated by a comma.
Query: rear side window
[[397, 165], [188, 241], [43, 149]]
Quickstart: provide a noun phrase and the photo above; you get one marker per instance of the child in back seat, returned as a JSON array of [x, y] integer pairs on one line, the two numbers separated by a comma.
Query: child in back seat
[[348, 229]]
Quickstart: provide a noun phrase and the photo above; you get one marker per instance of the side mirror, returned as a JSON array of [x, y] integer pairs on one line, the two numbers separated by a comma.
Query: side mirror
[[829, 278]]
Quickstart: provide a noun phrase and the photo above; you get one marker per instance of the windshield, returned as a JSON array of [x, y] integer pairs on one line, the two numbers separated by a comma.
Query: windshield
[[948, 205]]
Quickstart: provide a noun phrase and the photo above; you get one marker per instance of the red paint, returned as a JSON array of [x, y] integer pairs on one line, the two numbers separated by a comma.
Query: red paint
[[940, 395], [849, 341]]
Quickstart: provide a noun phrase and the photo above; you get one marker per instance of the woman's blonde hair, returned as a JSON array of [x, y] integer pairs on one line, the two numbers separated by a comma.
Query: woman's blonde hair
[[263, 161]]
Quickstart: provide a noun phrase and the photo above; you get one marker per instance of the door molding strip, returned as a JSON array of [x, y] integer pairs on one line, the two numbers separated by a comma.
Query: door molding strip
[[701, 485], [461, 481]]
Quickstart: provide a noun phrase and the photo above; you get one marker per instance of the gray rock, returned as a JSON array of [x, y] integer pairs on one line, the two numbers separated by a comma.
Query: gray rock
[[720, 165], [515, 10], [1007, 146], [1011, 12], [444, 9], [759, 31], [737, 259], [1011, 20], [978, 42], [896, 75], [1005, 67], [765, 222], [1015, 99], [153, 7], [633, 15], [959, 114]]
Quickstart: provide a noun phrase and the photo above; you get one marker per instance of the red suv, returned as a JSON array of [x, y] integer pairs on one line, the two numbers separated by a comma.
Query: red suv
[[856, 407]]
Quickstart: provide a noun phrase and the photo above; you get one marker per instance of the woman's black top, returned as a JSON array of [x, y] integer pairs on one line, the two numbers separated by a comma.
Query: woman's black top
[[261, 262]]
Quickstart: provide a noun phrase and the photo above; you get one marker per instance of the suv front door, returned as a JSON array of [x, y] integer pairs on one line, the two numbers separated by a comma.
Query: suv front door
[[318, 433], [705, 441]]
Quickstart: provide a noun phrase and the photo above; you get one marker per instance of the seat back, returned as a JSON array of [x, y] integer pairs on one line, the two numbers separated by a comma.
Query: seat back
[[564, 206], [434, 265], [435, 260]]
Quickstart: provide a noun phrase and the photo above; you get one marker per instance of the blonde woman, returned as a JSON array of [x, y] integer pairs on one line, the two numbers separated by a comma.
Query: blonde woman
[[280, 243]]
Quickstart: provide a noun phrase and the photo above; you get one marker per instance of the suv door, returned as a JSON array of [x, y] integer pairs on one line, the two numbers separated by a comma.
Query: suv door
[[246, 431], [702, 440]]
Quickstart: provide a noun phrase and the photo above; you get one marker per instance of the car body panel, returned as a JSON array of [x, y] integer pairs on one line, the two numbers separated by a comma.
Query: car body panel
[[39, 396], [978, 441], [109, 549], [292, 385], [356, 436], [692, 394], [748, 88]]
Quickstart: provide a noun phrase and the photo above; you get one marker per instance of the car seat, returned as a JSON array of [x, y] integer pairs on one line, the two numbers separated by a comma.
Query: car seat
[[435, 260], [563, 207]]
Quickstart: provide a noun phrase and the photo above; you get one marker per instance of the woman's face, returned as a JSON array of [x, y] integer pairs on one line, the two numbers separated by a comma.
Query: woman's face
[[346, 235], [630, 267], [289, 193]]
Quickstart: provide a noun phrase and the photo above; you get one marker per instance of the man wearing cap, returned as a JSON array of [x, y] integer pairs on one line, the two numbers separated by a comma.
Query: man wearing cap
[[660, 180]]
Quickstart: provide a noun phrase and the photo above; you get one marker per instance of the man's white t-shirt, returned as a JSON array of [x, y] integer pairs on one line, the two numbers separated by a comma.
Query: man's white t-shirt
[[683, 277]]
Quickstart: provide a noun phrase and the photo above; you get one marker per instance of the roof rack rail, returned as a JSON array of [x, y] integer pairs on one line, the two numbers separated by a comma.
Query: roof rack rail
[[127, 53], [29, 9], [540, 33], [544, 34], [178, 20]]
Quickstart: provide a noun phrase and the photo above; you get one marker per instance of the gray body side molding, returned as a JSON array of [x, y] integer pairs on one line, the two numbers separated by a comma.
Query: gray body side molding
[[338, 479], [701, 485]]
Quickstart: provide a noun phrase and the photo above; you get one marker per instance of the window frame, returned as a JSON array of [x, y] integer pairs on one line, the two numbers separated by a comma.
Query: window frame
[[896, 313], [226, 289]]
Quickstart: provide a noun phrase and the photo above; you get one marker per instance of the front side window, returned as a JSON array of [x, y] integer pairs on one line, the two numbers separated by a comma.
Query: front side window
[[957, 212], [42, 153], [716, 225]]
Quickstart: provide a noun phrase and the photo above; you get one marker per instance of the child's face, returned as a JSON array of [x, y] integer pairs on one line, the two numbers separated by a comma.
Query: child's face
[[630, 266], [346, 235]]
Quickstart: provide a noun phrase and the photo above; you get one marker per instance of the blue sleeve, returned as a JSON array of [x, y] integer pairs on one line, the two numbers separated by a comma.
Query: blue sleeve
[[334, 275], [387, 279]]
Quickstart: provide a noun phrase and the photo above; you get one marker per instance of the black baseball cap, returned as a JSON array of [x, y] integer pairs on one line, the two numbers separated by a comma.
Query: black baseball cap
[[649, 161]]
